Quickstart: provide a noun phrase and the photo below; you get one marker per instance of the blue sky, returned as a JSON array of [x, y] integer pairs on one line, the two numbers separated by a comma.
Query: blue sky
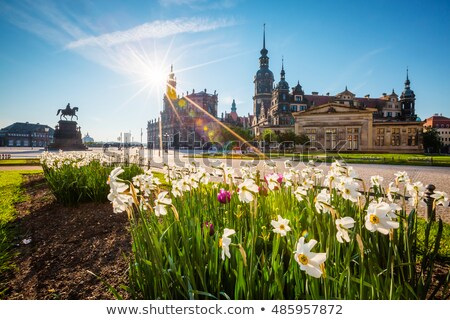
[[106, 57]]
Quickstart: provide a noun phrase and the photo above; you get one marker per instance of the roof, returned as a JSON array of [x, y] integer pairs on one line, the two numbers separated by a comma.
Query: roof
[[25, 127], [317, 100]]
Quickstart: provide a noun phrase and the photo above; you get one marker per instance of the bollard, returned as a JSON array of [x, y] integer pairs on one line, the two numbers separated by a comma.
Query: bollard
[[431, 212]]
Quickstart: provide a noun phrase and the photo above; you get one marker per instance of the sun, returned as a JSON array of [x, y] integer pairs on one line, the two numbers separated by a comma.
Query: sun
[[157, 75]]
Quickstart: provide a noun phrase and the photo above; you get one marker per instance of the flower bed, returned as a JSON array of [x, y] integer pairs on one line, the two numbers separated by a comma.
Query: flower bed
[[296, 235], [79, 176]]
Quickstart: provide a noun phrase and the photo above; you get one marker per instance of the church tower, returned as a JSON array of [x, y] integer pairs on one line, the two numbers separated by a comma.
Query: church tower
[[407, 100], [263, 81], [171, 91]]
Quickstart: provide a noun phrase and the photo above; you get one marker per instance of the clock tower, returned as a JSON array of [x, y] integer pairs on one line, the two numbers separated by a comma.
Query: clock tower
[[263, 81]]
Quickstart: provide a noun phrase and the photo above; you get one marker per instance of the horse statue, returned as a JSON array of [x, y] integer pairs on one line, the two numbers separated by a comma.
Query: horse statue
[[68, 111]]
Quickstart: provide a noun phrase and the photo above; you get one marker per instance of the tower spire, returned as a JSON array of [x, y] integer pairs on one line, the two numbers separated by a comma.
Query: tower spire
[[407, 82], [264, 51], [264, 36], [233, 106], [283, 74]]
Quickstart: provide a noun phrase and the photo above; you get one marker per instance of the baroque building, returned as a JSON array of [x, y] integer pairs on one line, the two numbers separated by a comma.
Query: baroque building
[[341, 122], [186, 121]]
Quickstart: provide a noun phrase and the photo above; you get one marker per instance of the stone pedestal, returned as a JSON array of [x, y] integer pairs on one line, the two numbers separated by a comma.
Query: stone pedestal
[[67, 137]]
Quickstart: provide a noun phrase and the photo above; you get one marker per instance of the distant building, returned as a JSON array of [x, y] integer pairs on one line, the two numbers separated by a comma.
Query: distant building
[[21, 134], [187, 121], [232, 118], [126, 137], [336, 122], [87, 138], [442, 126]]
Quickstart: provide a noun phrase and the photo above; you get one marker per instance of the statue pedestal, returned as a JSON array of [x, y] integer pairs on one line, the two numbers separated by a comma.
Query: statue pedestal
[[67, 137]]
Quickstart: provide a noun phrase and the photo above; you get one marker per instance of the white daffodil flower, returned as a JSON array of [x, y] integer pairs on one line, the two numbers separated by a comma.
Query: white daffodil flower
[[322, 201], [376, 181], [349, 189], [247, 190], [300, 193], [273, 180], [342, 226], [280, 226], [225, 242], [379, 218], [288, 164], [309, 262], [440, 198], [416, 190], [401, 176], [391, 191], [161, 204]]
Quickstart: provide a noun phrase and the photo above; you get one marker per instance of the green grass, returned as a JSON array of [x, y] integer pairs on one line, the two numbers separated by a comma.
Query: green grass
[[444, 250], [20, 162], [11, 192]]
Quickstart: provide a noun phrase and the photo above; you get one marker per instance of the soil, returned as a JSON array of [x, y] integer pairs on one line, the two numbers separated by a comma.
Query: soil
[[66, 245]]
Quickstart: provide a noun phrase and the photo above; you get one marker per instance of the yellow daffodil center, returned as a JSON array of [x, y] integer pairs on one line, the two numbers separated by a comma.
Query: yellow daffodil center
[[282, 227], [374, 219], [220, 242], [302, 259]]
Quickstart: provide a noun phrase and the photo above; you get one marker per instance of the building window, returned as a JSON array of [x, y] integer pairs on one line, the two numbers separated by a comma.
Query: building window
[[352, 138], [395, 137], [380, 137], [412, 136], [311, 134], [330, 138]]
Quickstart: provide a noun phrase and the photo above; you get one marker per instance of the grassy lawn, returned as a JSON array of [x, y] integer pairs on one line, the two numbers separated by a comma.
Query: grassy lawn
[[444, 250], [11, 193], [19, 162]]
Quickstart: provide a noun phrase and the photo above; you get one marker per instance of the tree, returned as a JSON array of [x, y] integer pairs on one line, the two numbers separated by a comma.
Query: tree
[[268, 136], [291, 136], [431, 141], [225, 136]]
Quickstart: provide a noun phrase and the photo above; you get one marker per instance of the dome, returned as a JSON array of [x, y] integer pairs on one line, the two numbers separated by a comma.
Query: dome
[[283, 85], [298, 88], [408, 93], [264, 73]]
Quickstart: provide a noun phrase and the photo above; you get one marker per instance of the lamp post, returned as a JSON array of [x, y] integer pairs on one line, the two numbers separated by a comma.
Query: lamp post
[[166, 136], [46, 129]]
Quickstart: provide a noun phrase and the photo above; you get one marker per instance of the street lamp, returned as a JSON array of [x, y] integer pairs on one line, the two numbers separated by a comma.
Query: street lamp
[[46, 129], [166, 136]]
